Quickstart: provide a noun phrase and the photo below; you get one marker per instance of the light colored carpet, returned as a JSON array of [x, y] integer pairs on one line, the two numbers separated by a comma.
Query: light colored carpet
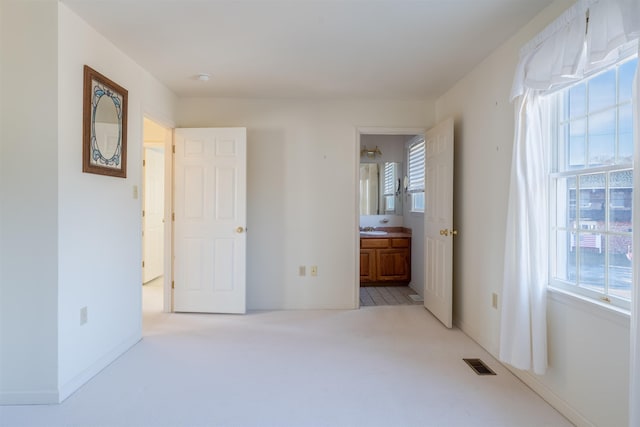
[[377, 366]]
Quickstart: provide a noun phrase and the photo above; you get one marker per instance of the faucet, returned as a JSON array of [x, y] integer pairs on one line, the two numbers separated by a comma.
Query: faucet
[[368, 229]]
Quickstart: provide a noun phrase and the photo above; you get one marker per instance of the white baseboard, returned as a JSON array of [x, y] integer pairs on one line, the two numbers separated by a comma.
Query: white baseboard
[[79, 380], [41, 397], [551, 398], [533, 383]]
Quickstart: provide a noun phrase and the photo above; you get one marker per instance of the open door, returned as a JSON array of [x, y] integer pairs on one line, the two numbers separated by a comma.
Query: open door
[[439, 232], [210, 220]]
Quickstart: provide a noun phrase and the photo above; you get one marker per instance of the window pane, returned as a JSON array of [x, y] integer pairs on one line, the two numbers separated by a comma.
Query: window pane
[[417, 200], [592, 257], [389, 203], [565, 203], [602, 138], [620, 201], [602, 91], [564, 261], [620, 266], [577, 132], [625, 134], [592, 202], [577, 97], [625, 76]]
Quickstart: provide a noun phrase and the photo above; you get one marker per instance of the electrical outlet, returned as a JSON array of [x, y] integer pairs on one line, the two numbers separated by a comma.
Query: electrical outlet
[[314, 270], [83, 315], [302, 270], [494, 300]]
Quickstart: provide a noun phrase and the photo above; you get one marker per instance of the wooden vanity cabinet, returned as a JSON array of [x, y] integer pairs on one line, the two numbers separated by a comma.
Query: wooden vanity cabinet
[[367, 265], [385, 259]]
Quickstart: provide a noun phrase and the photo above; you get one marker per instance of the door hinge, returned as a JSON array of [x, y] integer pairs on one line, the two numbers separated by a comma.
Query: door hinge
[[144, 163], [173, 284], [173, 149], [173, 216], [142, 264], [143, 213]]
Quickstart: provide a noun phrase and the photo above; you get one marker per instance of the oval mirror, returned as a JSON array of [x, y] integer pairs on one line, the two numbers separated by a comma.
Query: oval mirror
[[106, 127]]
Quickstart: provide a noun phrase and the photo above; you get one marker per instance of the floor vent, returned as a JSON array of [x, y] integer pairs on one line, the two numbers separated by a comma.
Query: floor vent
[[479, 367], [416, 298]]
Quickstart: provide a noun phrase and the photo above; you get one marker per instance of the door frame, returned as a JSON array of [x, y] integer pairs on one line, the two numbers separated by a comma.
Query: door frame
[[167, 294], [356, 205], [143, 180]]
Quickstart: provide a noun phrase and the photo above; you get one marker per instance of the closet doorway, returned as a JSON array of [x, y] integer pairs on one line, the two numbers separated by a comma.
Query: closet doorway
[[156, 139]]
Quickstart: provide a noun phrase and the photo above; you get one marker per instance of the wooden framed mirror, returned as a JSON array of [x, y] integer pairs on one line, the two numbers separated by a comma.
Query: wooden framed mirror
[[104, 139]]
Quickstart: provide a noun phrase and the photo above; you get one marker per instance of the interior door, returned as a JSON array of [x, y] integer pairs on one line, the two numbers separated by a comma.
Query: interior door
[[153, 214], [210, 218], [439, 231]]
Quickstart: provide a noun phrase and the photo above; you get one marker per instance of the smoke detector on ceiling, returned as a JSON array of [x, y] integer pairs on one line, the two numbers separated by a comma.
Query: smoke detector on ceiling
[[203, 77]]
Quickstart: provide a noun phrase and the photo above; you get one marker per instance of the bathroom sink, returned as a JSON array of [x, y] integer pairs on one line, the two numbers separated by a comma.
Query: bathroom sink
[[373, 233]]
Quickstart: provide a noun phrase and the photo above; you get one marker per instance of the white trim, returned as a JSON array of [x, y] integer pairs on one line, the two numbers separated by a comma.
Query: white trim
[[389, 131], [356, 217], [550, 397], [83, 377], [531, 381], [167, 297], [604, 311]]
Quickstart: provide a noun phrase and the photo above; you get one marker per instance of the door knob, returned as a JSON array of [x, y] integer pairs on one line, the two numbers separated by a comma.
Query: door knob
[[453, 232], [239, 230], [444, 232]]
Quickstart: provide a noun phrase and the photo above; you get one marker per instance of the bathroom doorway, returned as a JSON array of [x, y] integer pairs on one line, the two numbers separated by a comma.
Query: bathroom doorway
[[391, 239]]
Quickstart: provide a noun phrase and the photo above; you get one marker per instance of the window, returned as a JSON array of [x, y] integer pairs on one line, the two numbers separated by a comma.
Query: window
[[416, 175], [592, 186], [390, 179]]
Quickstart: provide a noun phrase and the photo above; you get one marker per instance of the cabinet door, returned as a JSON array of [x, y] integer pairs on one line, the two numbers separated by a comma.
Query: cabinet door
[[393, 264], [367, 265]]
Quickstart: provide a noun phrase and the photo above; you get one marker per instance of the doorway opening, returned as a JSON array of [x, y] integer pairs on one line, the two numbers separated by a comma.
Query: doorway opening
[[155, 275], [391, 240]]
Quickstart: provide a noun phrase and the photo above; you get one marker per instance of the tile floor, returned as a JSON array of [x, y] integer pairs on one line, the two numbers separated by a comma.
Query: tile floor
[[387, 295]]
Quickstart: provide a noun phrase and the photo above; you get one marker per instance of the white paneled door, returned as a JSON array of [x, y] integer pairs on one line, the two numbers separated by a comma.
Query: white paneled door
[[210, 220], [153, 214], [439, 231]]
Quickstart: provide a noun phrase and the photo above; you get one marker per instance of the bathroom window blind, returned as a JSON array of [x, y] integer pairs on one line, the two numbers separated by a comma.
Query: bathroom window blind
[[389, 179], [416, 167]]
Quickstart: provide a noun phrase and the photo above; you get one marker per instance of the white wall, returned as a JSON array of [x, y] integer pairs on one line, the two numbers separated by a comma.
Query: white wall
[[302, 189], [100, 245], [68, 240], [28, 201], [588, 349]]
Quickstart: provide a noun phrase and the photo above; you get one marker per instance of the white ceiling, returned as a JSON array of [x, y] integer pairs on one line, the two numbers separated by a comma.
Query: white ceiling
[[308, 48]]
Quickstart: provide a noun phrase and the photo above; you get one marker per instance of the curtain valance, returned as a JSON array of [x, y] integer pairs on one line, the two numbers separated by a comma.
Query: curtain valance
[[580, 40]]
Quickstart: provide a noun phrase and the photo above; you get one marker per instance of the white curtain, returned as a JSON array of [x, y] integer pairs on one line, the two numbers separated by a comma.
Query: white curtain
[[563, 52], [523, 332], [634, 365]]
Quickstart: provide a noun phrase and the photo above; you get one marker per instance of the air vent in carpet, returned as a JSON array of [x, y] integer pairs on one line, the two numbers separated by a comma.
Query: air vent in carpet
[[479, 367]]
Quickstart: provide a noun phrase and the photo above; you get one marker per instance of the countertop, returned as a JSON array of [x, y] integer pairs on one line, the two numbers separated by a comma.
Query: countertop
[[392, 233]]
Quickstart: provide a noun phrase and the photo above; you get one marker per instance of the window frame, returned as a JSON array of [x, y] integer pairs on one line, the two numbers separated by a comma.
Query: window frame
[[602, 298]]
